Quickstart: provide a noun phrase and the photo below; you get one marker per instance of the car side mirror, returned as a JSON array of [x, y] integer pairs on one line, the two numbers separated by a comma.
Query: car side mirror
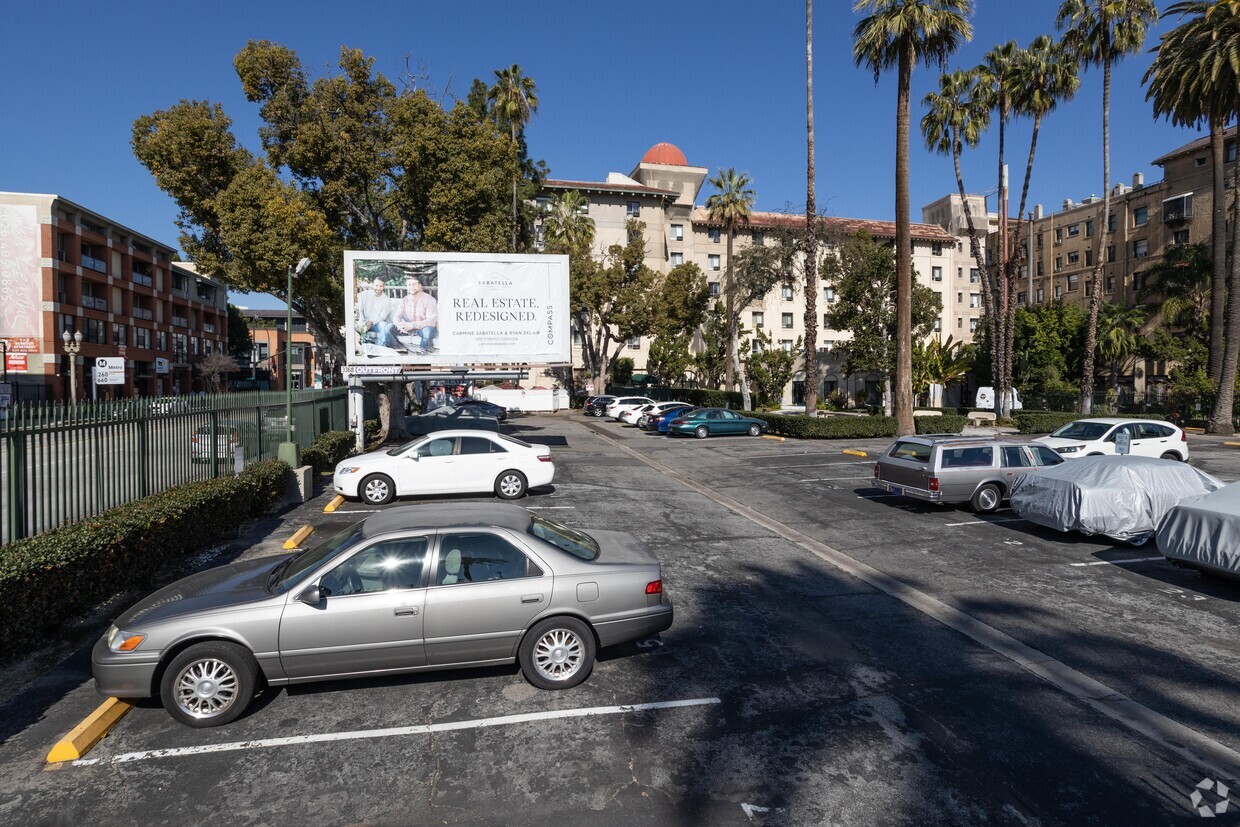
[[311, 596]]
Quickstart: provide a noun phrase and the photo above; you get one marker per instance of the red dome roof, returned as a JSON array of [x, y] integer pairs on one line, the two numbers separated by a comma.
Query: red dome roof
[[665, 153]]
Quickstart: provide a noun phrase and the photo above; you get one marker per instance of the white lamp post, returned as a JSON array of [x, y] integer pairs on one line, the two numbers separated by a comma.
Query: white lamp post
[[73, 345], [289, 451]]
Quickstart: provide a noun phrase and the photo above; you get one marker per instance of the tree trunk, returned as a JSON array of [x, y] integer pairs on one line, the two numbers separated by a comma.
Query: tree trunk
[[1218, 251], [904, 254], [975, 247], [1095, 295], [1222, 419], [811, 238], [390, 398], [1002, 280], [517, 156], [746, 401], [729, 369], [1010, 345]]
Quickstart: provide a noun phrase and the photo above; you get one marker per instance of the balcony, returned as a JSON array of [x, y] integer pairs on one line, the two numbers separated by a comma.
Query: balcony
[[1177, 212], [94, 303], [143, 313], [144, 279], [180, 321], [208, 327], [96, 264]]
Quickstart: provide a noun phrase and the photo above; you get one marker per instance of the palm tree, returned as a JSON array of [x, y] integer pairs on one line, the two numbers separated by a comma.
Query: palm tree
[[1100, 33], [811, 238], [956, 116], [1182, 284], [1119, 331], [899, 34], [567, 225], [730, 207], [514, 100], [940, 362], [1193, 80]]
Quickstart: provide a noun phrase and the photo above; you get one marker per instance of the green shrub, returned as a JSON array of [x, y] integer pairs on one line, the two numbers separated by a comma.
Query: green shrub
[[327, 449], [831, 427], [1042, 422], [945, 424], [47, 579], [707, 398]]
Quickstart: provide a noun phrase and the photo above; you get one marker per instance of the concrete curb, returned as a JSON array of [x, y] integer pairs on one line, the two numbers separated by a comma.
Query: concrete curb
[[88, 733], [335, 503]]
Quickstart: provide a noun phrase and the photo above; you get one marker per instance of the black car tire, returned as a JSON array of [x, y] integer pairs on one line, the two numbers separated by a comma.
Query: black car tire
[[209, 684], [377, 489], [986, 498], [1172, 455], [701, 432], [510, 485], [557, 653], [755, 430]]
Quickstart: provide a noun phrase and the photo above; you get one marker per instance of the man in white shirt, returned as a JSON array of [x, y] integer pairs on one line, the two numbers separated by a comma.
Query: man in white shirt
[[374, 308]]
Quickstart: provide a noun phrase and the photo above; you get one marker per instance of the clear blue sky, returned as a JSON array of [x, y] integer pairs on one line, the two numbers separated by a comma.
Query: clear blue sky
[[723, 80]]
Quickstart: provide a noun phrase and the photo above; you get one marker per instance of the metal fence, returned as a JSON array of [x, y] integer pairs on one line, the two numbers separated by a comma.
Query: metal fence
[[63, 463]]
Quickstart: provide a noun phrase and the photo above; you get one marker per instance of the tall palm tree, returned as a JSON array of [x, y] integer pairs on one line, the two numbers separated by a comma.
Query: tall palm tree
[[811, 237], [731, 207], [514, 100], [567, 224], [956, 116], [900, 34], [1100, 33], [1182, 284], [1194, 80], [1119, 331]]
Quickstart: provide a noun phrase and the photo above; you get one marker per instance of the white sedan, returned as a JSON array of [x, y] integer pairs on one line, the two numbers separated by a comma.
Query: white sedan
[[1098, 437], [635, 416], [446, 462]]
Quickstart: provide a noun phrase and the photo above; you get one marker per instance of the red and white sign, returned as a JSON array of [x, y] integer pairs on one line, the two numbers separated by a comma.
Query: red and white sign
[[120, 350], [21, 344], [15, 362]]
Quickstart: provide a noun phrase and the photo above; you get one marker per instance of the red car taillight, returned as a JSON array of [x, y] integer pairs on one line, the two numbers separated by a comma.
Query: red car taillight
[[876, 470], [1183, 436], [678, 422], [544, 458], [933, 484], [654, 587]]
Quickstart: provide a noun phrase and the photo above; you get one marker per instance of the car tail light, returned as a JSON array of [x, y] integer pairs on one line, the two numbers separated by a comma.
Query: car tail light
[[933, 484], [1183, 436], [876, 470], [544, 457], [678, 422], [654, 587]]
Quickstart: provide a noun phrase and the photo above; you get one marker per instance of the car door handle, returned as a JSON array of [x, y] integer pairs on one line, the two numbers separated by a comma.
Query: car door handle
[[531, 598], [405, 610]]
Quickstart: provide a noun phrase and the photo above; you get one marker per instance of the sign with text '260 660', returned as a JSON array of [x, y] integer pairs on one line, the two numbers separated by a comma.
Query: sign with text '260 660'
[[109, 370]]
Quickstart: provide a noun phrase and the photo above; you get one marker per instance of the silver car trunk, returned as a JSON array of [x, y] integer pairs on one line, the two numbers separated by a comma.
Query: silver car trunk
[[622, 547]]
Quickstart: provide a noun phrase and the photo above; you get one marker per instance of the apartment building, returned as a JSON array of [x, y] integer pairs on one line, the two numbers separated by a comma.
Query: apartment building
[[267, 358], [67, 269], [662, 191]]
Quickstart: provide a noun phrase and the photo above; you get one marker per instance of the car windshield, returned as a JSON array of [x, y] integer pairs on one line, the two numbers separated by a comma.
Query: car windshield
[[562, 537], [400, 449], [296, 568], [1082, 430]]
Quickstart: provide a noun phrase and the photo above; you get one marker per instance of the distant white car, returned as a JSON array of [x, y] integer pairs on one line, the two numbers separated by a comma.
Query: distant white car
[[446, 462], [638, 416], [1098, 437], [985, 400], [624, 403]]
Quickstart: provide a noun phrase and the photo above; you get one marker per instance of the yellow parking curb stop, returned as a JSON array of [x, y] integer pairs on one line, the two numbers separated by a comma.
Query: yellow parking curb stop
[[299, 535], [335, 503], [1233, 444], [86, 734], [854, 452], [776, 438]]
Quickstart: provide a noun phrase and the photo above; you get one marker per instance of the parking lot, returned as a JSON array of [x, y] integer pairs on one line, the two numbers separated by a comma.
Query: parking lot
[[838, 656]]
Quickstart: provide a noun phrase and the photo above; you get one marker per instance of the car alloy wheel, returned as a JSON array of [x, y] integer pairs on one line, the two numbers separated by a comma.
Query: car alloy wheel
[[701, 432], [557, 653], [377, 489], [754, 430], [209, 684], [986, 499], [510, 485]]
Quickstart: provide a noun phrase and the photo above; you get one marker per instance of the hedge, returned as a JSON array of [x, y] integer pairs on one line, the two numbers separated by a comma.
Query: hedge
[[64, 573], [701, 397], [855, 427], [1042, 422], [944, 424], [327, 449]]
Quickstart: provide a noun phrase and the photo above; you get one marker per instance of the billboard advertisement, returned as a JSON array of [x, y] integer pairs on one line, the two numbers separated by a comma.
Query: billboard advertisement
[[20, 285], [455, 309]]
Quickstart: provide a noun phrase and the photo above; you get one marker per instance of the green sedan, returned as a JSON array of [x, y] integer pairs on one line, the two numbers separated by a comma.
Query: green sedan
[[705, 422]]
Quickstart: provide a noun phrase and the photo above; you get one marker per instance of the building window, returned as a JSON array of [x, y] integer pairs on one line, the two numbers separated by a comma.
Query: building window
[[785, 292], [161, 340], [1020, 299], [1059, 235], [975, 300], [1073, 281], [1074, 257], [1200, 161], [1089, 288], [828, 294], [67, 324], [936, 248], [142, 274], [938, 325], [713, 234], [755, 346], [758, 319], [1140, 216], [1179, 237], [1074, 230], [972, 325], [960, 298], [93, 257], [959, 272], [142, 338], [1040, 268], [635, 343], [95, 331], [1138, 281], [785, 345], [1111, 253], [826, 321], [713, 288], [1089, 258], [1039, 241], [678, 232], [974, 276], [1110, 284], [1111, 223], [1229, 153], [713, 262], [1089, 228], [1178, 208], [959, 322], [1041, 295], [1140, 248], [678, 259], [633, 209], [936, 273], [785, 321], [759, 238], [1058, 292], [1058, 263], [119, 335]]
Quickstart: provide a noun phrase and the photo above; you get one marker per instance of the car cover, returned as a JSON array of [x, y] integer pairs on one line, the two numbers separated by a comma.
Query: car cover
[[1205, 532], [1122, 497]]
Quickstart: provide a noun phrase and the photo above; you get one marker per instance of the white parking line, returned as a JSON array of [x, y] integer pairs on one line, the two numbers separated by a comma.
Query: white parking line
[[418, 729], [985, 522], [551, 507], [1118, 562], [837, 479], [876, 496]]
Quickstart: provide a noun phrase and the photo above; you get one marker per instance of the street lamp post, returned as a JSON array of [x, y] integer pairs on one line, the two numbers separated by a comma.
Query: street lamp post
[[289, 451], [72, 346]]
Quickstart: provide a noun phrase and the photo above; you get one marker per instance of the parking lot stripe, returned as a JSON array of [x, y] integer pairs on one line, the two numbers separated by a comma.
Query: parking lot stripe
[[551, 507], [1118, 562], [1200, 750], [335, 503], [839, 479], [985, 522], [298, 536], [391, 732], [86, 734]]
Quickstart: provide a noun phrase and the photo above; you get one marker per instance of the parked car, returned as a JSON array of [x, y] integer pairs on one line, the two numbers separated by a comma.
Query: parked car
[[484, 407], [704, 422], [446, 462], [406, 590], [618, 406], [642, 415], [448, 418], [597, 406], [229, 435], [1204, 533], [662, 423], [1097, 436], [959, 469], [1119, 497], [985, 399], [161, 405]]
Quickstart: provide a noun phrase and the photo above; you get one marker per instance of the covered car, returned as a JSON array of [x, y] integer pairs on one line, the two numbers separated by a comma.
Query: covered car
[[448, 418], [1121, 497], [1204, 533]]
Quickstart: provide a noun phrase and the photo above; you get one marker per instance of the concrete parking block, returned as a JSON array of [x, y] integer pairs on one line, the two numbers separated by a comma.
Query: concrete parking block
[[776, 438], [299, 536], [332, 505], [855, 452], [86, 734]]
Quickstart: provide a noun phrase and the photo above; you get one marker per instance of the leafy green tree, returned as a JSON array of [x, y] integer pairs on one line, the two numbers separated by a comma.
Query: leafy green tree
[[1119, 337], [1178, 287], [240, 343], [730, 208], [758, 269], [1100, 33], [711, 360], [669, 358], [900, 34], [770, 369], [863, 273], [681, 304], [622, 371], [1047, 354], [940, 362], [514, 100]]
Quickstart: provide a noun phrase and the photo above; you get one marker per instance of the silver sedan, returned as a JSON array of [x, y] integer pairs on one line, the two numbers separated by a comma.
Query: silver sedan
[[405, 590]]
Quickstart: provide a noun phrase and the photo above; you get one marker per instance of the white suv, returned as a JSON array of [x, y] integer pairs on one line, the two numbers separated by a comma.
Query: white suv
[[1146, 438], [625, 403]]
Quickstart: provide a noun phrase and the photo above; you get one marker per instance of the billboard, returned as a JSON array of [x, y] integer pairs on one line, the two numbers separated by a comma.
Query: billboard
[[20, 285], [455, 309]]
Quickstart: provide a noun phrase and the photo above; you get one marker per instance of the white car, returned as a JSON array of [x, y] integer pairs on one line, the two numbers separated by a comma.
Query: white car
[[446, 462], [1097, 437], [638, 416], [624, 403]]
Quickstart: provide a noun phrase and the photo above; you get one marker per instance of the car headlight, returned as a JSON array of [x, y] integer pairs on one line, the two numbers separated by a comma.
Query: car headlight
[[119, 641], [1069, 449], [349, 469]]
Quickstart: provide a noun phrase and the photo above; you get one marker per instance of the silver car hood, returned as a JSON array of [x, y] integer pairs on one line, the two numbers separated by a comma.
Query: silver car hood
[[622, 547], [218, 588]]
